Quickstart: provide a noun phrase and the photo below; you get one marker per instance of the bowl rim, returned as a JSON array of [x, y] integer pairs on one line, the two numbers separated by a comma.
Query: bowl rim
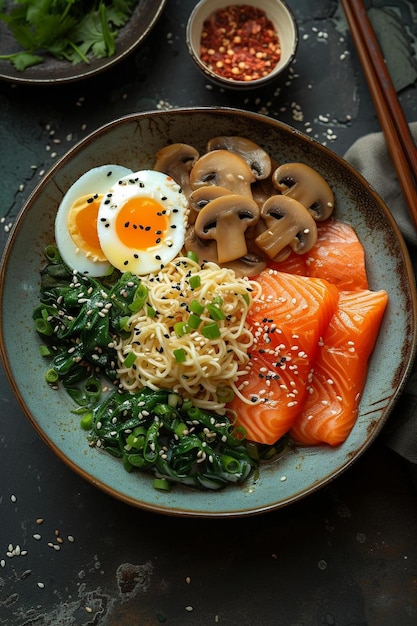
[[131, 500], [234, 84]]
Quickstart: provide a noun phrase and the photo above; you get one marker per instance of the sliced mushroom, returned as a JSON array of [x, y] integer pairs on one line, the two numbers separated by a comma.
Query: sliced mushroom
[[176, 161], [224, 169], [289, 225], [256, 157], [305, 184], [249, 265], [202, 196], [226, 219], [205, 249]]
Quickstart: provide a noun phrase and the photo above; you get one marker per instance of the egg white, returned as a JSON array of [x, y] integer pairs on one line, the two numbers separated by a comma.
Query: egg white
[[95, 181], [129, 211]]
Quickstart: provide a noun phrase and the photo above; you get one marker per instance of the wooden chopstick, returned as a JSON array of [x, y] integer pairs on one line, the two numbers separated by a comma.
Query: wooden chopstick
[[399, 139]]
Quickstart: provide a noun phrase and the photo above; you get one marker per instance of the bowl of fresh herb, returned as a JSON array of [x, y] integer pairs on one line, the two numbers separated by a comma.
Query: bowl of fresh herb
[[61, 42]]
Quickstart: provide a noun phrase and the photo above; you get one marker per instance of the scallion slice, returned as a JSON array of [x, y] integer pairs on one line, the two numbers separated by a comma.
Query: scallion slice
[[129, 360], [211, 331], [196, 307], [215, 312], [180, 329], [195, 281], [180, 355]]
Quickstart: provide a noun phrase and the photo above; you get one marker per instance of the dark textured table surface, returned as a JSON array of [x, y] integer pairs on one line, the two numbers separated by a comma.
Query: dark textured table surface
[[344, 556]]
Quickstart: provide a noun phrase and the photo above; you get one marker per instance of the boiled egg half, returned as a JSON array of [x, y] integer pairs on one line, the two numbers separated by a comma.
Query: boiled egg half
[[142, 221], [76, 234]]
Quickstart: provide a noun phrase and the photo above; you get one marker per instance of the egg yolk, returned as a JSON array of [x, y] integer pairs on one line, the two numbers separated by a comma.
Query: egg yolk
[[82, 226], [141, 223]]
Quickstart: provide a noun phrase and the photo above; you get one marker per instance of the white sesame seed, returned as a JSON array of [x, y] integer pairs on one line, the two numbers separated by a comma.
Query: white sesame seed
[[41, 585]]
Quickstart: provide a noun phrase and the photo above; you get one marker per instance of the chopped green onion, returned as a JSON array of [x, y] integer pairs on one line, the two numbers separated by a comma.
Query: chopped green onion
[[162, 483], [230, 464], [86, 421], [211, 331], [181, 429], [139, 298], [173, 400], [92, 388], [45, 351], [180, 329], [129, 360], [51, 376], [217, 300], [215, 313], [124, 322], [150, 311], [192, 255], [52, 254], [246, 298], [43, 327], [195, 281], [194, 321], [136, 439], [180, 355], [196, 307]]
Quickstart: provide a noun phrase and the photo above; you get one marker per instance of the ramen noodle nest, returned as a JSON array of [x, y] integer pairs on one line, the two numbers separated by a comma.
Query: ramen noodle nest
[[191, 334]]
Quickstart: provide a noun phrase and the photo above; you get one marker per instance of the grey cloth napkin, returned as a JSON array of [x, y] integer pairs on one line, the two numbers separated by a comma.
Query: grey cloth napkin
[[370, 156]]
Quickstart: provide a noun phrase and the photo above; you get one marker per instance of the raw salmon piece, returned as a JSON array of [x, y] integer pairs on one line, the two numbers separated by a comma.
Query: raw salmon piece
[[296, 306], [332, 404], [294, 264], [287, 324], [338, 256]]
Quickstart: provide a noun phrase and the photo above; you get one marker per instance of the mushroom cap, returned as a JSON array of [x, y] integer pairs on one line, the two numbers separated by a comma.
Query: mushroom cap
[[256, 157], [226, 219], [289, 225], [305, 184], [177, 160], [203, 195], [224, 169]]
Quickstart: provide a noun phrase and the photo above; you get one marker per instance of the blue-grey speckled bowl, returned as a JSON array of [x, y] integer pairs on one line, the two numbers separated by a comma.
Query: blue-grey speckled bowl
[[133, 141]]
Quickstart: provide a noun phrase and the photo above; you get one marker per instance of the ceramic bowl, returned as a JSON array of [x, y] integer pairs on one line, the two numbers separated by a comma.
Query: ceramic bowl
[[55, 72], [133, 141], [276, 11]]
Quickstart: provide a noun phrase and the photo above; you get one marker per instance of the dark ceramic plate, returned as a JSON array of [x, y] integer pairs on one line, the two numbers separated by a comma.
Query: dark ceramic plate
[[133, 141], [52, 71]]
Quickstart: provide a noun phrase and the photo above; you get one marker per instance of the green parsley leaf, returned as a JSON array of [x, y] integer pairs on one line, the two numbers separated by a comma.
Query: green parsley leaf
[[74, 30]]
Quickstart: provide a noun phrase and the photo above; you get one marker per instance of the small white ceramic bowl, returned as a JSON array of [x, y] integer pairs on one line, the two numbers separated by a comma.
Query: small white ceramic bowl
[[276, 11]]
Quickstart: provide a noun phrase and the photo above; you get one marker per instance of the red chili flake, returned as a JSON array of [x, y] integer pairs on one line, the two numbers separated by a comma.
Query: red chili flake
[[240, 43]]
